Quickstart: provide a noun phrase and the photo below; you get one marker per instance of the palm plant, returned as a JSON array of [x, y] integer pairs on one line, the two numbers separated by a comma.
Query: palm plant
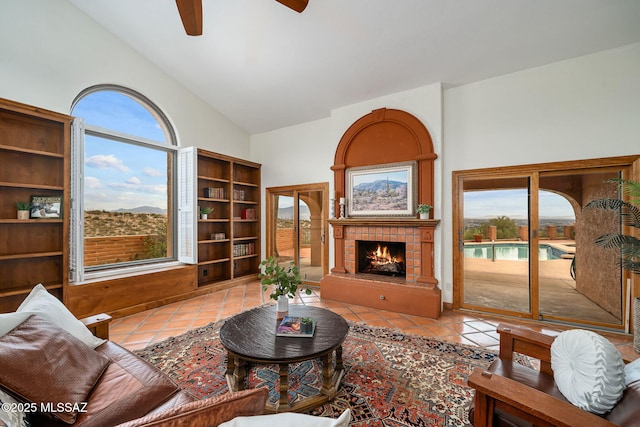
[[629, 246]]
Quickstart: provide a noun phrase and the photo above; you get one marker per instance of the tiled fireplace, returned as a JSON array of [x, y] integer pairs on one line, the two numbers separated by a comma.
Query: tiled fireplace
[[414, 292], [398, 246]]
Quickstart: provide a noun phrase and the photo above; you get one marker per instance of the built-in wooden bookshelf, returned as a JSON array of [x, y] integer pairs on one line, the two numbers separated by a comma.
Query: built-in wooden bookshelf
[[229, 239], [34, 161]]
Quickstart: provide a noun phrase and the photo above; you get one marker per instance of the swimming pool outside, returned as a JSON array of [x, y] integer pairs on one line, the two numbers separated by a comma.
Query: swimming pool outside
[[514, 251]]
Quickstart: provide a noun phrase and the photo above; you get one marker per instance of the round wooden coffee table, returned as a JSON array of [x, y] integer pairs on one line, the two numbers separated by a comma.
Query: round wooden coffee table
[[250, 337]]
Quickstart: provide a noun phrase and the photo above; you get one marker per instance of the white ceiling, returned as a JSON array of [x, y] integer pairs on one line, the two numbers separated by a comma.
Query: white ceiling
[[265, 66]]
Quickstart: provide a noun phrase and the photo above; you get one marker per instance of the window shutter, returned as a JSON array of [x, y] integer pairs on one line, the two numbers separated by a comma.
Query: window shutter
[[187, 205], [76, 233]]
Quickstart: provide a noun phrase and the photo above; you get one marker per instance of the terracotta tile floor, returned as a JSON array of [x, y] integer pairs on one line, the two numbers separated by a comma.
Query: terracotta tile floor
[[151, 326]]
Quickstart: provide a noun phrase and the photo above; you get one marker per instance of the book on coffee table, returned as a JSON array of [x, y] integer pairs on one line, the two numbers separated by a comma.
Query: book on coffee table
[[296, 327]]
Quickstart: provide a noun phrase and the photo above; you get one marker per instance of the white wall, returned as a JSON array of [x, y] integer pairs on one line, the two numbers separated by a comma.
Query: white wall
[[50, 51], [304, 153], [294, 155], [581, 108]]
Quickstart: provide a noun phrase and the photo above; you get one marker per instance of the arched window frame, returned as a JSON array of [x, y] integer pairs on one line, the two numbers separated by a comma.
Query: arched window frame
[[181, 191]]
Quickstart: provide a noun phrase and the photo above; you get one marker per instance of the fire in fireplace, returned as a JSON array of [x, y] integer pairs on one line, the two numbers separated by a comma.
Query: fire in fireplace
[[386, 258]]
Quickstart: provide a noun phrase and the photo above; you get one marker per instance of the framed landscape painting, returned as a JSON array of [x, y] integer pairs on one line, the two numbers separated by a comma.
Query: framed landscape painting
[[384, 190]]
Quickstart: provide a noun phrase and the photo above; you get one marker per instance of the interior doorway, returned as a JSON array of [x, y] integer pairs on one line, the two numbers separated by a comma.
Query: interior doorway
[[297, 228]]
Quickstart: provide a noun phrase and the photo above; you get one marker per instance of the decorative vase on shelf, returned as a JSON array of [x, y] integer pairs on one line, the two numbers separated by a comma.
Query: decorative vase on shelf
[[423, 210], [282, 307], [23, 210], [205, 211]]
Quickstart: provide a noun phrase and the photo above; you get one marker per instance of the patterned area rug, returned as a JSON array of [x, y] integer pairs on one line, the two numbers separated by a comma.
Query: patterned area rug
[[392, 379]]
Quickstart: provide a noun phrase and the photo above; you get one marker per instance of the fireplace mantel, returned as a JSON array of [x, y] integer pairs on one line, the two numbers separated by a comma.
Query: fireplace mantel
[[386, 222]]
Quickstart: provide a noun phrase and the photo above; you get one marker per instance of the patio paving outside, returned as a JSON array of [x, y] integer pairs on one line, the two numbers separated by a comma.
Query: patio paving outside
[[505, 285]]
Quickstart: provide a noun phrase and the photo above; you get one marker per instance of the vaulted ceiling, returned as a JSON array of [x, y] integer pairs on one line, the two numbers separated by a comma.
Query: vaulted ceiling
[[265, 66]]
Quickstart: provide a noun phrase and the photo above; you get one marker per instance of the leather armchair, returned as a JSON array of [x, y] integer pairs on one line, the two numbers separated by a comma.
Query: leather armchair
[[511, 394]]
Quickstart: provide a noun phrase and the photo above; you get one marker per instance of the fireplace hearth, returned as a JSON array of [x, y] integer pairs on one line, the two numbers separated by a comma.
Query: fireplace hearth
[[384, 258]]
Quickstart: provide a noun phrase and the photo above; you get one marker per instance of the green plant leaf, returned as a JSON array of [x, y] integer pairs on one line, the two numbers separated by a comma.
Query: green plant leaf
[[629, 212], [285, 279], [630, 188], [611, 240], [630, 265]]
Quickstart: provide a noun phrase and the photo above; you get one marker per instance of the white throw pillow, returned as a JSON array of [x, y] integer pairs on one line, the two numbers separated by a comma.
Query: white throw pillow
[[9, 321], [42, 303], [632, 371], [588, 370], [289, 419]]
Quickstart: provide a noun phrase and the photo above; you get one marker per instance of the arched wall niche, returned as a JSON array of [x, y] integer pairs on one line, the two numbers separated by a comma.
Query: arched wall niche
[[386, 136]]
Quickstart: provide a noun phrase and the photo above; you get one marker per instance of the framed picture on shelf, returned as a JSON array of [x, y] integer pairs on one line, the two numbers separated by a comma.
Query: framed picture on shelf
[[49, 207], [381, 190]]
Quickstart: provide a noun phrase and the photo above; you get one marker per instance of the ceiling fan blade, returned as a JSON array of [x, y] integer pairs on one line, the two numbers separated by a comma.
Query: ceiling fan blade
[[297, 5], [191, 15]]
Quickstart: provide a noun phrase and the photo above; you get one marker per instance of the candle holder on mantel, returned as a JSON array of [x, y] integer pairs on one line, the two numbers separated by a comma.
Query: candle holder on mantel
[[343, 202], [332, 208]]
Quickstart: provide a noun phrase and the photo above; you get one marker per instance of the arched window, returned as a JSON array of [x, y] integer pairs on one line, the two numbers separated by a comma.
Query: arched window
[[124, 184]]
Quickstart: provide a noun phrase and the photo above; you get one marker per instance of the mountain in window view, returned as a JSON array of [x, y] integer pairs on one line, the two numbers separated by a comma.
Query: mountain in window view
[[287, 213], [143, 209]]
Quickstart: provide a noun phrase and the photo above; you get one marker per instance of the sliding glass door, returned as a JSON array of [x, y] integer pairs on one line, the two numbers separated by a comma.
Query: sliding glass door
[[496, 245], [526, 244], [297, 226], [579, 282]]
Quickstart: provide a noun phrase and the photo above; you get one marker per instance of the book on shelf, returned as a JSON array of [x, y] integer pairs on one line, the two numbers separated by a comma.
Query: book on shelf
[[292, 326], [248, 214], [242, 249], [215, 193], [238, 194]]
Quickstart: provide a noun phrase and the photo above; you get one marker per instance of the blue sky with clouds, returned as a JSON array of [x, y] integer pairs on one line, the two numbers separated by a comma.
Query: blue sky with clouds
[[513, 203], [120, 175]]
